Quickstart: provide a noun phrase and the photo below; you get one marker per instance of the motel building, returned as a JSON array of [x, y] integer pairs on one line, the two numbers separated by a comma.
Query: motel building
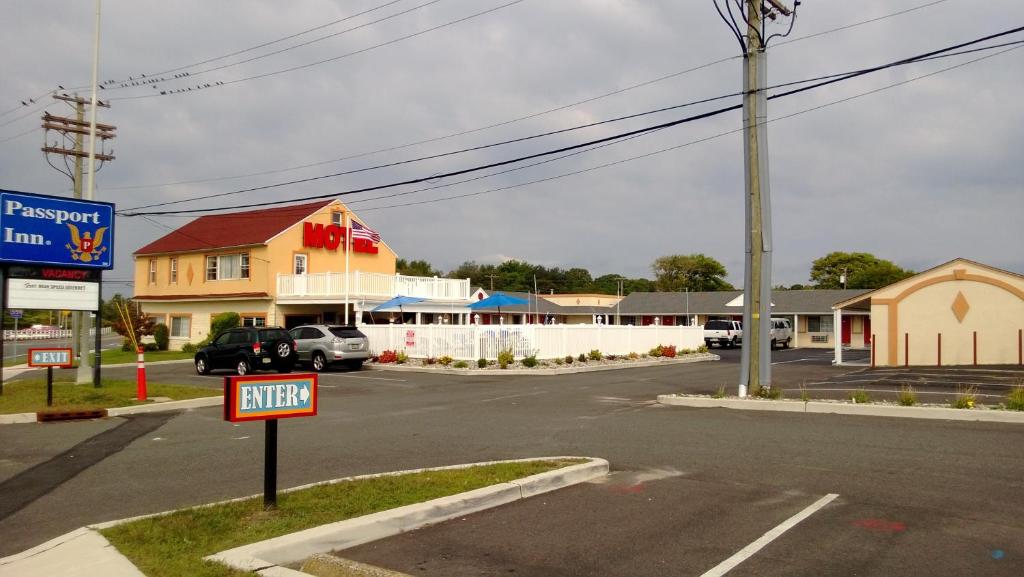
[[283, 266]]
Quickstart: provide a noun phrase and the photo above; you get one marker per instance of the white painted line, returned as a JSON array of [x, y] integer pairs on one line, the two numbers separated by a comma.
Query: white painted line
[[797, 361], [748, 551], [372, 378]]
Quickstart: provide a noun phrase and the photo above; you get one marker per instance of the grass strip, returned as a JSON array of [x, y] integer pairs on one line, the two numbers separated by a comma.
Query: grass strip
[[175, 544], [117, 356], [29, 396]]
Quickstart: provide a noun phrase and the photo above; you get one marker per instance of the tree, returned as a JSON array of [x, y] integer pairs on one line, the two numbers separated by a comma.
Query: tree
[[862, 270], [578, 280], [415, 268], [140, 323], [694, 272]]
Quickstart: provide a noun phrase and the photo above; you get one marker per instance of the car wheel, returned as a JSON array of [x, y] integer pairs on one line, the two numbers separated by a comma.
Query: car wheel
[[319, 362], [282, 349], [785, 344], [354, 364], [243, 368], [774, 344], [202, 366]]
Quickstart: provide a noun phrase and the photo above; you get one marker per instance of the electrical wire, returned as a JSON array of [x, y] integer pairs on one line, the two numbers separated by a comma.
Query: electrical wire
[[520, 118], [818, 82]]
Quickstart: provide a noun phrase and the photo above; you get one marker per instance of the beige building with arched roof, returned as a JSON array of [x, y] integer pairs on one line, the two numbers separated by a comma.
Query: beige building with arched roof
[[958, 313]]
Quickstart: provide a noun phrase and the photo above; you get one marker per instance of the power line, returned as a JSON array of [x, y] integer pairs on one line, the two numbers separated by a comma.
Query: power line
[[824, 80], [206, 86], [520, 118]]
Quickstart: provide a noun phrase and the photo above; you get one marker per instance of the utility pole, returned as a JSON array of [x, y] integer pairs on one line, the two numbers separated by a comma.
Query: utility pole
[[492, 277], [72, 132], [755, 365]]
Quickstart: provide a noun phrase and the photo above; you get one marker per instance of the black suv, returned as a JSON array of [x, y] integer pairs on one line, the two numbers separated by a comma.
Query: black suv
[[247, 349]]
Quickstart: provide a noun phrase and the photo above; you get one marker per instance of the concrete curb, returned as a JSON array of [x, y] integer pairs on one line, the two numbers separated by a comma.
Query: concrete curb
[[543, 372], [81, 552], [19, 418], [266, 557], [866, 409]]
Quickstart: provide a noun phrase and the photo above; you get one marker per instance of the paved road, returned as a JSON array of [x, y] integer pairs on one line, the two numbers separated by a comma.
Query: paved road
[[691, 486]]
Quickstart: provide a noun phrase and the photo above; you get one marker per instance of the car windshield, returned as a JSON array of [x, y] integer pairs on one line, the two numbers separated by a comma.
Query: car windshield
[[347, 333], [274, 334], [718, 325]]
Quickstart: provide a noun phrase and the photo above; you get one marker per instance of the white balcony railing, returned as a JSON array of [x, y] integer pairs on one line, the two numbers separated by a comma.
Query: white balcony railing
[[370, 285]]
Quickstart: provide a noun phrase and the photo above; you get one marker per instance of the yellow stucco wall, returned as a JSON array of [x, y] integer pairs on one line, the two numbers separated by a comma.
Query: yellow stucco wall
[[921, 308], [202, 312]]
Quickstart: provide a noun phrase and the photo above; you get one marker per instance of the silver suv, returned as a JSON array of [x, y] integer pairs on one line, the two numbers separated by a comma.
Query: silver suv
[[323, 345]]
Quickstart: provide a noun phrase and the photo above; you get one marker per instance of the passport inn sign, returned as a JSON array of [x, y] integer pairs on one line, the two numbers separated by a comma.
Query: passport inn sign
[[53, 230]]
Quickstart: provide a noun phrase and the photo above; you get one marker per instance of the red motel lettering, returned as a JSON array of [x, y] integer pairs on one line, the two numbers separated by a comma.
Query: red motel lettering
[[332, 236]]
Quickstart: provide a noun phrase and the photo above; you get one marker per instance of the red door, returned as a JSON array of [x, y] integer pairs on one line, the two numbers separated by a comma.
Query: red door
[[846, 330], [867, 331]]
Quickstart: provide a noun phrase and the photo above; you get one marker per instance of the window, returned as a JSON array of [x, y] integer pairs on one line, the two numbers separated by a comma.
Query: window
[[300, 264], [152, 271], [181, 326], [337, 218], [254, 321], [227, 266], [822, 324], [174, 270]]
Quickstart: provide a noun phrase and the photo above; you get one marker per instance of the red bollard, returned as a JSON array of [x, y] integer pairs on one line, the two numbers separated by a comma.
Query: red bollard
[[141, 375]]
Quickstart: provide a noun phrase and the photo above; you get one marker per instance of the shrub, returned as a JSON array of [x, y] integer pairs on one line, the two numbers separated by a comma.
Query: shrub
[[461, 365], [445, 360], [669, 352], [150, 347], [559, 360], [430, 360], [162, 336], [530, 361], [634, 356], [720, 393], [401, 358], [1015, 398], [595, 355], [768, 392], [656, 351], [965, 397], [582, 358], [387, 357], [907, 397], [686, 352], [860, 396], [611, 357], [505, 358], [189, 348], [221, 323], [481, 363], [702, 349], [126, 346], [569, 359]]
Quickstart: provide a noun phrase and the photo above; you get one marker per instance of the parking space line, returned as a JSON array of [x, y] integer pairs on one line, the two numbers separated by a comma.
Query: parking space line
[[370, 378], [748, 551]]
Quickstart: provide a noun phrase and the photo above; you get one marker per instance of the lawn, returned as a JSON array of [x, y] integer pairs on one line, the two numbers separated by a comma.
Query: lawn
[[175, 544], [30, 396]]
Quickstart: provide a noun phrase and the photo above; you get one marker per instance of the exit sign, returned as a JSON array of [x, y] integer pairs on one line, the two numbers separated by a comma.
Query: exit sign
[[260, 398], [49, 358]]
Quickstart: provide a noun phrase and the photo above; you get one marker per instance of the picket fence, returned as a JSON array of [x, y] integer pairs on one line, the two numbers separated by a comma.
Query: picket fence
[[471, 342], [33, 334]]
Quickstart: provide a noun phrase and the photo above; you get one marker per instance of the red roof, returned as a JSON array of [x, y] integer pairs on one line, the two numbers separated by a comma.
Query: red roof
[[232, 229]]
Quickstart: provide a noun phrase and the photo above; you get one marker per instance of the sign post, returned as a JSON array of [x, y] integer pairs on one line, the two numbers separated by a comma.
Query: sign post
[[269, 398], [49, 358], [15, 314]]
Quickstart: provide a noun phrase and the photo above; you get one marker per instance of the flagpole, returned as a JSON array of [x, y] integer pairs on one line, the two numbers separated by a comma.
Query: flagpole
[[348, 249]]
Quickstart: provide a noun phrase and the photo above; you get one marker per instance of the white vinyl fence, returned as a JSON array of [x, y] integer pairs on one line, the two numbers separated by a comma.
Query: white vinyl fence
[[471, 342], [33, 334]]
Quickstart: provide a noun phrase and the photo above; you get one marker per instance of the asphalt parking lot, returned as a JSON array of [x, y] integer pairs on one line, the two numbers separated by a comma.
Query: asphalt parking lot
[[690, 487]]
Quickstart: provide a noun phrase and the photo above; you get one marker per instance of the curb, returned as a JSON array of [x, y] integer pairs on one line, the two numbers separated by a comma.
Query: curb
[[19, 418], [867, 410], [267, 557], [700, 357]]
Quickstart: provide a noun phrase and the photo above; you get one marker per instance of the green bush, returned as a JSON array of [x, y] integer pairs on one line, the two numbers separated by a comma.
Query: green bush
[[860, 396], [530, 361], [162, 335], [582, 358], [720, 393], [481, 363], [595, 355], [559, 361], [461, 365], [702, 349], [1015, 398], [221, 323], [766, 392], [505, 358], [656, 351], [965, 397], [634, 356], [126, 346], [189, 348], [907, 397], [150, 347], [568, 359], [445, 360], [401, 358]]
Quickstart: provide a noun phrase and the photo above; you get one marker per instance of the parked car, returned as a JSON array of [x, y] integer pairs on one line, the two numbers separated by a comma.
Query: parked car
[[248, 349], [323, 345], [781, 333], [724, 333]]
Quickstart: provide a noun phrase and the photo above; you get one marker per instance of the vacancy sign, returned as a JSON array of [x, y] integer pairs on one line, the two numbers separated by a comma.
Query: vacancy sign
[[49, 357], [261, 398]]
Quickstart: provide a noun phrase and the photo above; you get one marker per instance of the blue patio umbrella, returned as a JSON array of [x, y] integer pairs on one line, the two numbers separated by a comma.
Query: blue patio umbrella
[[398, 302], [498, 300]]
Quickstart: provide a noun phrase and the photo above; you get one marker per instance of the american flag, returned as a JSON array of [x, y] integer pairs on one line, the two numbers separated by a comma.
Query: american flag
[[360, 231]]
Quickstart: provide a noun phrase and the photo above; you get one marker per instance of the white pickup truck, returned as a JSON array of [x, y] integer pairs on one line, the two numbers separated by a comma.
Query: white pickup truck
[[723, 333]]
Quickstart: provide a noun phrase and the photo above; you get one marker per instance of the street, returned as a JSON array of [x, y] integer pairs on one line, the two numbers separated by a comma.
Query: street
[[690, 487]]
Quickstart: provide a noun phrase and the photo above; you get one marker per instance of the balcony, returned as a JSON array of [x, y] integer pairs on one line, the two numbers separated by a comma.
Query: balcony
[[331, 286]]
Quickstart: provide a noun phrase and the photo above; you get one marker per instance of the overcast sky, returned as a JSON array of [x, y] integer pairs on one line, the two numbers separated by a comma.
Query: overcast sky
[[919, 174]]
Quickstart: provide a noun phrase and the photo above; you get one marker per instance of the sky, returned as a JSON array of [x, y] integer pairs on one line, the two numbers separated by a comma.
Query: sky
[[911, 164]]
